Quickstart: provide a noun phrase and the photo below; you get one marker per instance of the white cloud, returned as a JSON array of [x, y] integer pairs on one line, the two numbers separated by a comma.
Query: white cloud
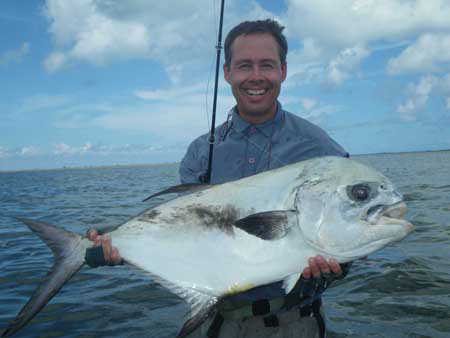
[[428, 54], [418, 97], [308, 103], [348, 60], [321, 111], [312, 109], [445, 83], [181, 36], [171, 93], [14, 55], [25, 151], [305, 64], [4, 153], [28, 151], [347, 23], [419, 94], [311, 50], [172, 115], [55, 61], [91, 36], [43, 101], [326, 28], [160, 121], [65, 150]]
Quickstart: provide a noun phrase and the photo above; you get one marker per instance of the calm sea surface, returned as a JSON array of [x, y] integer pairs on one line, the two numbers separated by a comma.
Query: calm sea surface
[[402, 291]]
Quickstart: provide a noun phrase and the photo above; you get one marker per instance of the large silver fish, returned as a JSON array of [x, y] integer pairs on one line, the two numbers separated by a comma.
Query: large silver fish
[[225, 239]]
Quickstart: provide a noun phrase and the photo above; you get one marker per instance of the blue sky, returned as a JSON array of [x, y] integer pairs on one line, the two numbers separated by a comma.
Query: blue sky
[[102, 82]]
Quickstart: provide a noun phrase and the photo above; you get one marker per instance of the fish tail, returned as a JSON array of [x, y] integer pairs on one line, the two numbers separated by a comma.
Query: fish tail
[[69, 250]]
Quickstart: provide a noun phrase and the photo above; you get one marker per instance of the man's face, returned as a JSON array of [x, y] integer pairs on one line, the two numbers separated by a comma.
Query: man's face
[[255, 75]]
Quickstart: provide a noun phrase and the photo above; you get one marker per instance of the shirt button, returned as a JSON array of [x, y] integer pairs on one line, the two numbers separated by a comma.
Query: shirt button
[[251, 160]]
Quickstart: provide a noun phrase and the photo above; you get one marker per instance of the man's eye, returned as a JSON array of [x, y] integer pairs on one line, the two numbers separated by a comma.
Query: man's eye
[[244, 66], [267, 66], [359, 192]]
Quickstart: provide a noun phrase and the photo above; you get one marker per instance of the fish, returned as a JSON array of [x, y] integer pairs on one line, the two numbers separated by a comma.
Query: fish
[[213, 241]]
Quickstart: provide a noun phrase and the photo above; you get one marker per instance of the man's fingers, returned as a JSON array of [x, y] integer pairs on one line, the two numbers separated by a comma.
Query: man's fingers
[[322, 264], [110, 253], [92, 234], [307, 273], [318, 266], [115, 257], [107, 248], [335, 266], [315, 270]]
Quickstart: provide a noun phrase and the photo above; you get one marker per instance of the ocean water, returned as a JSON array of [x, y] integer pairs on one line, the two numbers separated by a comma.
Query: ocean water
[[401, 291]]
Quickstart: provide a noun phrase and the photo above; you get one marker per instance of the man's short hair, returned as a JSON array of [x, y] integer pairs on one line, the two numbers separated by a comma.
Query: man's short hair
[[269, 26]]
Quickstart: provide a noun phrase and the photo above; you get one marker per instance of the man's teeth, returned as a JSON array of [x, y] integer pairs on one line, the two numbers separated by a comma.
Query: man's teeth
[[256, 91]]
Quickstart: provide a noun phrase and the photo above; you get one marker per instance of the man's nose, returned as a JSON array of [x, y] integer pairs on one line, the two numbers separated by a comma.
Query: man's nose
[[256, 73]]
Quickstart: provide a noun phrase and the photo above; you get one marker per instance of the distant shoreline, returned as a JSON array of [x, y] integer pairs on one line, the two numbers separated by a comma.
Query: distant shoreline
[[106, 166], [176, 163], [404, 152]]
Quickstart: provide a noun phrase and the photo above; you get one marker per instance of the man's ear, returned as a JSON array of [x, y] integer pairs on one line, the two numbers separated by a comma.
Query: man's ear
[[283, 71], [226, 73]]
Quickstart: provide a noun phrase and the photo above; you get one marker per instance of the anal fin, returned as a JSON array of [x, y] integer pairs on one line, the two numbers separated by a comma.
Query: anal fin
[[202, 307]]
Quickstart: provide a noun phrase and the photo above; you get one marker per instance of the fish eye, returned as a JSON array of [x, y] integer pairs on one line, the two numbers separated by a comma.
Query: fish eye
[[359, 192]]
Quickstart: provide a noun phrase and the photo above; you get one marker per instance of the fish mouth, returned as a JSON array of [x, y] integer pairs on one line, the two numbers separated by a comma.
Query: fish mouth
[[389, 214]]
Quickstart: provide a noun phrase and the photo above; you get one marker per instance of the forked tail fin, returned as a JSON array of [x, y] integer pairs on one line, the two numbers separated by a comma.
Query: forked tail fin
[[69, 250]]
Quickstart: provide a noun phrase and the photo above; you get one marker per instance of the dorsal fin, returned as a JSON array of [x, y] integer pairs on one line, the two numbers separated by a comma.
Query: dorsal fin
[[185, 188], [267, 225]]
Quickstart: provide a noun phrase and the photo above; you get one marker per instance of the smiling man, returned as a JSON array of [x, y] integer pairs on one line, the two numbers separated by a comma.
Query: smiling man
[[258, 135], [255, 73]]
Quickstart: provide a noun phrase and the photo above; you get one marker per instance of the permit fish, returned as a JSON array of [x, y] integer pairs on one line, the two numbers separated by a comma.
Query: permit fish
[[220, 240]]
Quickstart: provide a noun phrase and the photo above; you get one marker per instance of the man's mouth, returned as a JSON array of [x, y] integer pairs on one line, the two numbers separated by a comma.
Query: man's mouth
[[255, 92]]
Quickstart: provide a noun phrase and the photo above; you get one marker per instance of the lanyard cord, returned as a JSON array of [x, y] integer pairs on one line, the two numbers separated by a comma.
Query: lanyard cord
[[228, 126]]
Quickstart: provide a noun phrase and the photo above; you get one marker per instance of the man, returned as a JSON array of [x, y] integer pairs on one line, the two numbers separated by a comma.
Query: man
[[259, 135]]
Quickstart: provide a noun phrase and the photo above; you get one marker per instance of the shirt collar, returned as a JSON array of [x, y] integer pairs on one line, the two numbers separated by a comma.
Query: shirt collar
[[240, 125]]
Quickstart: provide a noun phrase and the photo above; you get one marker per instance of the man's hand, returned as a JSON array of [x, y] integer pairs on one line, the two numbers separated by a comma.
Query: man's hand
[[316, 277], [110, 253], [319, 267]]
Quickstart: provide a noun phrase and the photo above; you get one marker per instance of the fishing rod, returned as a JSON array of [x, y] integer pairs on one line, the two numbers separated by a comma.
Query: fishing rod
[[206, 178]]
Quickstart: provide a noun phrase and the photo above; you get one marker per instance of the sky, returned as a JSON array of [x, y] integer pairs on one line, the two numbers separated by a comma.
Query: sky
[[106, 82]]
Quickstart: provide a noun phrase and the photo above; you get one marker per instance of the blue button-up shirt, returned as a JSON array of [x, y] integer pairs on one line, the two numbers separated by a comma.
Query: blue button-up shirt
[[243, 149]]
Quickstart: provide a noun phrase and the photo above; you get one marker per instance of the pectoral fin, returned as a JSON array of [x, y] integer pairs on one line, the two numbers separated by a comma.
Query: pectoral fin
[[268, 225]]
